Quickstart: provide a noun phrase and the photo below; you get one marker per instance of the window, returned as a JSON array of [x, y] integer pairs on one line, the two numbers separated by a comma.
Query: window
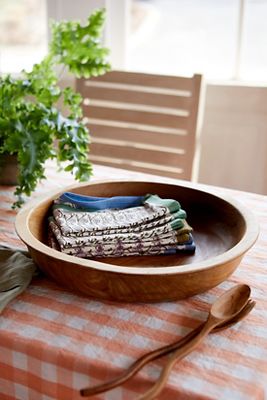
[[23, 34], [222, 39], [253, 63]]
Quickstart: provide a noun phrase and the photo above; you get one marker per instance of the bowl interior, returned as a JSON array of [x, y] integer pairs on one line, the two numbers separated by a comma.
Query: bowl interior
[[217, 224]]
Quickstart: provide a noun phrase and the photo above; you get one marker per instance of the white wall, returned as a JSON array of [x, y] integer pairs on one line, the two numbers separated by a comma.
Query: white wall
[[234, 138], [76, 9]]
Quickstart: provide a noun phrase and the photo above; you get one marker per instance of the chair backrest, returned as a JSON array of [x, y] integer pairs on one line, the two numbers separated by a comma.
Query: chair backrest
[[142, 122]]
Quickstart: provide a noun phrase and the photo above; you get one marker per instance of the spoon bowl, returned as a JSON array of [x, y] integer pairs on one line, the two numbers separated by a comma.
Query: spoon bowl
[[231, 302]]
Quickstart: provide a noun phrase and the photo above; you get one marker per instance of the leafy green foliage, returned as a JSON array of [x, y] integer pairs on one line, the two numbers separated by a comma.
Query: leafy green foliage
[[79, 48], [31, 124]]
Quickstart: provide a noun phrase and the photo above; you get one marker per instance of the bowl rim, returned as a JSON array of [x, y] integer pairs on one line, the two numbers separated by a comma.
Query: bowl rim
[[246, 242]]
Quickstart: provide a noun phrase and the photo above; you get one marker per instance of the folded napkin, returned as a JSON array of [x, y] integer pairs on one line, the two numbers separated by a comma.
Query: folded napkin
[[157, 226], [91, 203], [16, 272], [154, 212]]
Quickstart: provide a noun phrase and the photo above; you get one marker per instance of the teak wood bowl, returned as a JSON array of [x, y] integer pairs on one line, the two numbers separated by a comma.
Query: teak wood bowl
[[223, 232]]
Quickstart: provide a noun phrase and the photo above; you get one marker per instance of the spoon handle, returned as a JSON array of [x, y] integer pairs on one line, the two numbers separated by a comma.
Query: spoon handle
[[177, 355], [140, 363], [153, 355]]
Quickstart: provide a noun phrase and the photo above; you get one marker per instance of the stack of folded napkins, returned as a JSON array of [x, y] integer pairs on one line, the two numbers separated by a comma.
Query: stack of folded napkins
[[90, 227]]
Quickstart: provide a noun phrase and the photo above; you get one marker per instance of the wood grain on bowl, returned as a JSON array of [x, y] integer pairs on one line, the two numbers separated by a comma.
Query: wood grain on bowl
[[223, 232]]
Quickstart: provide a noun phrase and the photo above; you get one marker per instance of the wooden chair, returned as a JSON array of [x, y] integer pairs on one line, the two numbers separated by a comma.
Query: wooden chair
[[143, 122]]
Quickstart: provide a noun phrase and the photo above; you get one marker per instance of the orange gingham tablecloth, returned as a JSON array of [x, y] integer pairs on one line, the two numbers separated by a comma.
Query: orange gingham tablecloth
[[54, 342]]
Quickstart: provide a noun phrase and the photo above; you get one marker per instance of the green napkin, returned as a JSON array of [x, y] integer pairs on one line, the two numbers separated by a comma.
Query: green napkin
[[16, 272]]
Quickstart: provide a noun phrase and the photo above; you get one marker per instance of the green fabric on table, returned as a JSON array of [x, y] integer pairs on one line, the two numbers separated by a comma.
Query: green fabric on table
[[16, 272]]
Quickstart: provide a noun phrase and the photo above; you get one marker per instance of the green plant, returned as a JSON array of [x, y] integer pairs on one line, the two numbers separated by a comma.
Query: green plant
[[31, 124]]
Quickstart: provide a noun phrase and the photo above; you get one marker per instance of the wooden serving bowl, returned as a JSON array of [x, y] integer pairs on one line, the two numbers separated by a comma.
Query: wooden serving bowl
[[223, 232]]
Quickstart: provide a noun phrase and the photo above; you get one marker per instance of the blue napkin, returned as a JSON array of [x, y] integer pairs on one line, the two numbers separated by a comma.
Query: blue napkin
[[91, 203]]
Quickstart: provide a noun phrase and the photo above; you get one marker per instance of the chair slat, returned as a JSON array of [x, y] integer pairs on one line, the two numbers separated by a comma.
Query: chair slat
[[136, 97], [137, 117], [118, 163], [135, 78], [139, 135], [131, 153]]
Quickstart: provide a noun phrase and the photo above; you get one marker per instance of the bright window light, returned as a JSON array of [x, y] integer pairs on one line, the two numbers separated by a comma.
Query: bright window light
[[224, 40], [23, 34]]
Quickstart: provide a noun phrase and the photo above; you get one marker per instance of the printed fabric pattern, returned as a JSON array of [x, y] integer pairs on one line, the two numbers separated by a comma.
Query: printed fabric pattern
[[157, 227]]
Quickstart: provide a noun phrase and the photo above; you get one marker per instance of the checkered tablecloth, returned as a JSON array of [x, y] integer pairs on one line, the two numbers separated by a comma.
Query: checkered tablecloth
[[54, 342]]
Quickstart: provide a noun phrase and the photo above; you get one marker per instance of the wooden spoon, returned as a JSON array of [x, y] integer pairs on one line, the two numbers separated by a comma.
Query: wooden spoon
[[225, 307], [162, 351]]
